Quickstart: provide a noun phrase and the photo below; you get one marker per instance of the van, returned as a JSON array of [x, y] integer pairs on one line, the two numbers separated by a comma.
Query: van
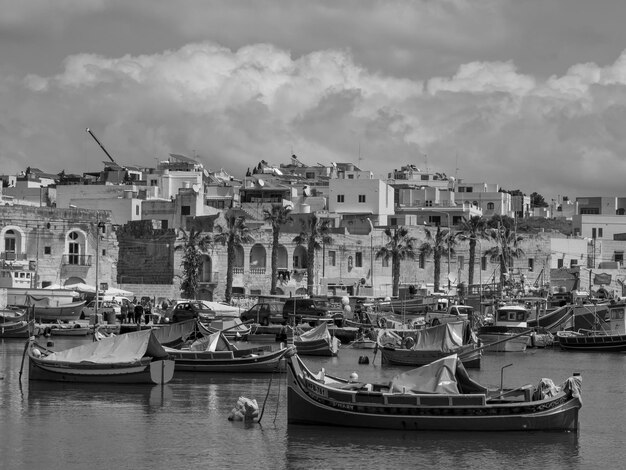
[[307, 310]]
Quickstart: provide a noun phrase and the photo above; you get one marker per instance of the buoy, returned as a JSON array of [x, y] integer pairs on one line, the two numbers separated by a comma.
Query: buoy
[[364, 360], [354, 377]]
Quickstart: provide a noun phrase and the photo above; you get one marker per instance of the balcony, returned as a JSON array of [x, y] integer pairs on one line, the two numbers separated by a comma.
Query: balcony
[[238, 270], [257, 270], [76, 260], [12, 256]]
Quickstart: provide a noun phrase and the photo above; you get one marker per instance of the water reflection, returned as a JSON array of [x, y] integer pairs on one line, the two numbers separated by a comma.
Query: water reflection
[[314, 444]]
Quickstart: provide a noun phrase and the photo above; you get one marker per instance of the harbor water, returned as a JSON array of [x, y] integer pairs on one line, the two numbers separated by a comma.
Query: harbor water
[[184, 424]]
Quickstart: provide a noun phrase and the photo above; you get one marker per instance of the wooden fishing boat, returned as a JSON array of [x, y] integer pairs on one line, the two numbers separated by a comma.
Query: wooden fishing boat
[[130, 358], [18, 329], [46, 311], [509, 321], [608, 335], [233, 328], [419, 347], [215, 353], [316, 342], [438, 397], [552, 320], [71, 329]]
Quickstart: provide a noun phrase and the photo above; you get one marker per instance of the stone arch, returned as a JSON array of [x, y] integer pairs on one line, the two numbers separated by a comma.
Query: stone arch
[[299, 257], [258, 257], [207, 270], [74, 280], [301, 291], [283, 257], [76, 246], [279, 291], [13, 242]]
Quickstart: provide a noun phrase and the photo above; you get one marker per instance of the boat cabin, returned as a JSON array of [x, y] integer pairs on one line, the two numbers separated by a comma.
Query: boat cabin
[[512, 315], [615, 318]]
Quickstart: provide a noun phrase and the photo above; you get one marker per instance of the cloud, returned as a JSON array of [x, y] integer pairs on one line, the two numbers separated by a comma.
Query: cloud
[[562, 135]]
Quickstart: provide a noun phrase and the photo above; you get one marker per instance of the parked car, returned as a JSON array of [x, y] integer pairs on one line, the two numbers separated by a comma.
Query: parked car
[[453, 313], [309, 310], [104, 307], [264, 313], [188, 309]]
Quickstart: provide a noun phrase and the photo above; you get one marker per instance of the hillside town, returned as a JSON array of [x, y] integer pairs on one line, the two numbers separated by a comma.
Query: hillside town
[[332, 226]]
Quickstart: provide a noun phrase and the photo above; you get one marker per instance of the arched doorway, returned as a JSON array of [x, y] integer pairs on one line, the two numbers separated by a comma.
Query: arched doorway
[[299, 258], [207, 269], [258, 258]]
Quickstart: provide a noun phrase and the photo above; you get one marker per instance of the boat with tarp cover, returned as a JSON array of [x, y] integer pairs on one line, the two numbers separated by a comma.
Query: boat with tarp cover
[[420, 347], [316, 342], [440, 396], [135, 357]]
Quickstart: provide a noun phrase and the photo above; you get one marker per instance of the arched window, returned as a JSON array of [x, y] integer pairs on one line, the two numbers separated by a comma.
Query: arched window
[[299, 258], [10, 245], [490, 206], [258, 258]]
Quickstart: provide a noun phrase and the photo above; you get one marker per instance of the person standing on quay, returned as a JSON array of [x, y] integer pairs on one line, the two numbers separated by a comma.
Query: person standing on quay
[[138, 313], [124, 310]]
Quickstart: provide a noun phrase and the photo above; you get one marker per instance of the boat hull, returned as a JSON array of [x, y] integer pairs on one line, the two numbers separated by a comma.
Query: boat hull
[[309, 403], [225, 361], [62, 313], [604, 343], [408, 357], [98, 373], [515, 344], [19, 329], [318, 347]]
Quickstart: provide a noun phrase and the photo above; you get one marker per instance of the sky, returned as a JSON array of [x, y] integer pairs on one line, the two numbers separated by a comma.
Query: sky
[[528, 94]]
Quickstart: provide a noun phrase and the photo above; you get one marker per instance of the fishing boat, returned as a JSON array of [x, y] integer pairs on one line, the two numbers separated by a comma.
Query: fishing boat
[[215, 353], [363, 340], [71, 329], [18, 329], [608, 334], [135, 357], [507, 334], [233, 328], [46, 310], [437, 397], [316, 342], [419, 347]]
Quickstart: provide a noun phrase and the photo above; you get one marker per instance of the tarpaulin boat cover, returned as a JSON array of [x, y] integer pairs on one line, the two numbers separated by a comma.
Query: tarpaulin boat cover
[[446, 375], [319, 332], [126, 348], [175, 332], [446, 338]]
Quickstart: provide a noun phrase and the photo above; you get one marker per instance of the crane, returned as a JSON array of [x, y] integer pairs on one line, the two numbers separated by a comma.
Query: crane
[[101, 146]]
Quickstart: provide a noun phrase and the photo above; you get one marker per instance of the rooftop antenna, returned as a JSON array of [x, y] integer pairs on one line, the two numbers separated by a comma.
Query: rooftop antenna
[[426, 163]]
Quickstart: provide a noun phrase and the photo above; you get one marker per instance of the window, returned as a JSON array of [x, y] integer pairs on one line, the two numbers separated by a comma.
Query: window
[[137, 209], [9, 244], [47, 250], [619, 256], [490, 206], [593, 232], [164, 224], [531, 264], [332, 258], [600, 234], [385, 262], [340, 197], [358, 259], [483, 263], [461, 261], [422, 260], [559, 263], [104, 252], [350, 177], [74, 249], [361, 197], [185, 210], [573, 263], [310, 175]]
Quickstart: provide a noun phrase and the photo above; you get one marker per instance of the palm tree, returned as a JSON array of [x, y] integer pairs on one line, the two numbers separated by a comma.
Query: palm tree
[[400, 246], [277, 217], [505, 250], [235, 233], [442, 242], [193, 245], [472, 229], [313, 232]]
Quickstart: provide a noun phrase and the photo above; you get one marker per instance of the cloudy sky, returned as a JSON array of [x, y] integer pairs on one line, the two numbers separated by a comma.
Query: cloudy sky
[[527, 94]]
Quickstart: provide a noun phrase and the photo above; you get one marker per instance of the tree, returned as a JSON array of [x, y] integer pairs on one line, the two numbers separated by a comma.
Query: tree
[[472, 229], [235, 233], [313, 232], [506, 249], [441, 243], [400, 246], [537, 200], [276, 217], [193, 245]]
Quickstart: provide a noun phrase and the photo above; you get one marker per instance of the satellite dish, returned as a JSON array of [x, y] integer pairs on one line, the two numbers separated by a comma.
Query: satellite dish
[[195, 187], [451, 278], [261, 182]]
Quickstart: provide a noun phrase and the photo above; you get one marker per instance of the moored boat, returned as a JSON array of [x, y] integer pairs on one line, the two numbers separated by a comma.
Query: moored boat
[[46, 310], [316, 342], [18, 329], [508, 333], [609, 334], [420, 347], [440, 396], [130, 358]]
